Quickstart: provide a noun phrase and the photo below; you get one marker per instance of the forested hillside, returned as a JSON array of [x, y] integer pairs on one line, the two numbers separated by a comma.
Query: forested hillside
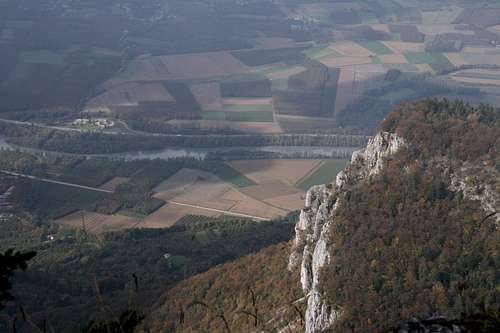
[[419, 237], [78, 276]]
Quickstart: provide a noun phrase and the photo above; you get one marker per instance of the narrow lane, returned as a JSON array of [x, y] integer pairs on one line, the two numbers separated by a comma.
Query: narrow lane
[[45, 180]]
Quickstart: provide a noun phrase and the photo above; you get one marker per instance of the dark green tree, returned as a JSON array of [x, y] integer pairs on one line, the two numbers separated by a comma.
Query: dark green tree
[[9, 262]]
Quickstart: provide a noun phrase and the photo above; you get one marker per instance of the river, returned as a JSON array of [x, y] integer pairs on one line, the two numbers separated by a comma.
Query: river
[[172, 152]]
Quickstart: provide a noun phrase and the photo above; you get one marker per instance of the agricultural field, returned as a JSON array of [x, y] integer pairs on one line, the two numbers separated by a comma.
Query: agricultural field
[[437, 61], [112, 184], [97, 223], [207, 95], [478, 76], [129, 94], [262, 171], [256, 189], [376, 47], [294, 124], [227, 67], [447, 15], [179, 67], [240, 115], [323, 174]]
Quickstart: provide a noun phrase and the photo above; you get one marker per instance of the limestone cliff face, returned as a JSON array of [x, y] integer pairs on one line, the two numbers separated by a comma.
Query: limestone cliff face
[[312, 248]]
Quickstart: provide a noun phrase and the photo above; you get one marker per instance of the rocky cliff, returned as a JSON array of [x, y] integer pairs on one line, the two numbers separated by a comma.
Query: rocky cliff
[[430, 176], [311, 248]]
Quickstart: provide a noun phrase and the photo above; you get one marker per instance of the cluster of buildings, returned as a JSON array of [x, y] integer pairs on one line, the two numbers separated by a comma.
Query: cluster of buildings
[[100, 123]]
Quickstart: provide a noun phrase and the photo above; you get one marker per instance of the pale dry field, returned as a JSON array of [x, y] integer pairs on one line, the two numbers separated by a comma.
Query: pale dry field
[[476, 80], [456, 59], [476, 50], [168, 214], [351, 49], [204, 191], [257, 208], [403, 47], [495, 29], [114, 183], [248, 101], [424, 68], [346, 90], [437, 29], [393, 59], [264, 171], [283, 74], [289, 202], [333, 62], [207, 95], [380, 27], [270, 190], [490, 57], [191, 187], [130, 94], [97, 223]]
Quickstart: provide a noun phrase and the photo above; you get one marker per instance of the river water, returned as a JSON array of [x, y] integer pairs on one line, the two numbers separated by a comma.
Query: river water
[[172, 152]]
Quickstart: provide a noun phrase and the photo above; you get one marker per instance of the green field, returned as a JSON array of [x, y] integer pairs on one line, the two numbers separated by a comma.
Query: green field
[[321, 51], [225, 172], [326, 173], [279, 84], [376, 47], [419, 57], [214, 115], [437, 61], [245, 116], [376, 60], [249, 108]]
